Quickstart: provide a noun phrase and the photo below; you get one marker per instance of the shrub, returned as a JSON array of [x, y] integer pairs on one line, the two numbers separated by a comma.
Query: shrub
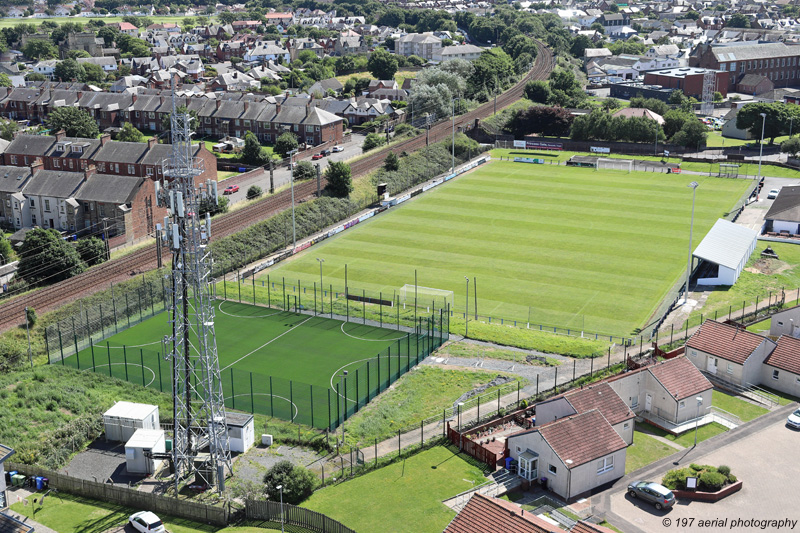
[[725, 470], [712, 481], [696, 467], [732, 478], [676, 479], [254, 192], [30, 316]]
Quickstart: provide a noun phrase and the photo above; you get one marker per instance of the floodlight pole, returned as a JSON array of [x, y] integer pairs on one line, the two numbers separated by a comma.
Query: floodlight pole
[[322, 299], [466, 311], [693, 186], [454, 137], [291, 175], [761, 145]]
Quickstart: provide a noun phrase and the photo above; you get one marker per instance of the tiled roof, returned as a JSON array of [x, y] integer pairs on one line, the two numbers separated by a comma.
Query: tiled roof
[[603, 398], [491, 515], [8, 524], [786, 355], [109, 188], [724, 341], [680, 377], [582, 438]]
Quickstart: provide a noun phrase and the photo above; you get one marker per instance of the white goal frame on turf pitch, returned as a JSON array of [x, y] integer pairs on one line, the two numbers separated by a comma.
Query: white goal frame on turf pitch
[[426, 296], [615, 164]]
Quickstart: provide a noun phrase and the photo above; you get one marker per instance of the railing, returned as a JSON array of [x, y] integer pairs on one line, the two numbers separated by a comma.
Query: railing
[[764, 396], [276, 512], [730, 418], [461, 499]]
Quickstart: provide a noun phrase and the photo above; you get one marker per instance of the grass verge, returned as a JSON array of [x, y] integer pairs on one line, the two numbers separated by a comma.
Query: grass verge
[[687, 439], [645, 450], [746, 411], [480, 351]]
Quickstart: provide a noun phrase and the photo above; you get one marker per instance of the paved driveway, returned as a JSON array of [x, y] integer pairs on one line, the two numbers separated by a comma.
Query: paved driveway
[[763, 454]]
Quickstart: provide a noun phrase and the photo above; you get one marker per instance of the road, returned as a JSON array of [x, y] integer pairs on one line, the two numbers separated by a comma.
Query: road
[[282, 177]]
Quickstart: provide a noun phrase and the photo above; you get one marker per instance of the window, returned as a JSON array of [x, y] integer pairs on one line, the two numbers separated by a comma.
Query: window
[[131, 169], [57, 163], [519, 450], [783, 61], [236, 122], [13, 160], [626, 425], [71, 163], [149, 171], [33, 204], [605, 464], [33, 220], [85, 206], [635, 401], [775, 374], [101, 167], [730, 368], [137, 114], [59, 147], [102, 210], [780, 323], [47, 205], [78, 149], [693, 353], [681, 405], [247, 123], [552, 469], [151, 115], [208, 120], [733, 67]]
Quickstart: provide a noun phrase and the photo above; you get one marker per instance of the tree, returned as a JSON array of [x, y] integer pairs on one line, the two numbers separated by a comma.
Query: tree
[[132, 46], [677, 97], [37, 49], [579, 46], [75, 54], [130, 134], [610, 104], [35, 76], [5, 81], [46, 258], [776, 122], [253, 153], [304, 170], [108, 34], [738, 20], [6, 250], [30, 316], [70, 70], [297, 482], [791, 146], [340, 183], [92, 250], [718, 96], [653, 104], [538, 91], [520, 44], [391, 162], [74, 121], [674, 119], [285, 143], [8, 128], [550, 121], [254, 192], [373, 140], [693, 134], [94, 73], [382, 64], [567, 90]]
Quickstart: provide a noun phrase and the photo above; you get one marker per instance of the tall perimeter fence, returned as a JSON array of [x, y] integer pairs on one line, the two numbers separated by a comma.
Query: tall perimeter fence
[[78, 342]]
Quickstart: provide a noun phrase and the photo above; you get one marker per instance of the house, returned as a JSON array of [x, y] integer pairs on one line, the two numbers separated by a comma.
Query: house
[[781, 370], [729, 353], [493, 515], [323, 86], [46, 67], [424, 45], [469, 52], [265, 51], [599, 396], [595, 53], [575, 454], [664, 393], [786, 322], [784, 213], [641, 112], [723, 253], [755, 84], [729, 128], [108, 64], [126, 27]]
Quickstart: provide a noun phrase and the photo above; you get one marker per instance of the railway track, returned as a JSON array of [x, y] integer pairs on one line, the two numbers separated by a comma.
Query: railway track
[[12, 313]]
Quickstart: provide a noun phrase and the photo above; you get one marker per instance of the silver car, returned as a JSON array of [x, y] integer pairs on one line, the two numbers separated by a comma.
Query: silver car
[[794, 420], [660, 496]]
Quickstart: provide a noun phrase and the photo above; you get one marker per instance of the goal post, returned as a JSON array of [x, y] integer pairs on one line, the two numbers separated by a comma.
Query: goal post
[[427, 297], [615, 164], [728, 170]]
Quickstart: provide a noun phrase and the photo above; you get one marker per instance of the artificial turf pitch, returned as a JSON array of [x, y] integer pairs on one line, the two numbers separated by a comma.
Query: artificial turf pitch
[[561, 246], [273, 362]]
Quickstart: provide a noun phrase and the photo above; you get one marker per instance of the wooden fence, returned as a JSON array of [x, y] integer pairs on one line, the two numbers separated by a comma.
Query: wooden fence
[[122, 495], [293, 515]]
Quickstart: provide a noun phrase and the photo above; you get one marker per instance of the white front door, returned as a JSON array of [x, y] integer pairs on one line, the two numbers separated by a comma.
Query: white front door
[[711, 366], [648, 402]]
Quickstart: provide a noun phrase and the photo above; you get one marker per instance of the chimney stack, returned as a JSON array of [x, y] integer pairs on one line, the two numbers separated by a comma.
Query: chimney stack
[[246, 105], [37, 166], [104, 138], [152, 142], [90, 171], [60, 134], [218, 102], [134, 96]]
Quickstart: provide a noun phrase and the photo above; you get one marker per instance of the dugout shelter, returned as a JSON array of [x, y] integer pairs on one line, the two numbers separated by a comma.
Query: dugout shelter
[[724, 252]]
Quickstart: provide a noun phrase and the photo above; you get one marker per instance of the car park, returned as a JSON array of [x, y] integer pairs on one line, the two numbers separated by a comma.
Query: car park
[[316, 157], [660, 496], [337, 148], [230, 189], [772, 194], [146, 522], [794, 420]]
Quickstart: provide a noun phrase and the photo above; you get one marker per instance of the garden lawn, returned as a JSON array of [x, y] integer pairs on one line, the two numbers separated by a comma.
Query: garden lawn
[[746, 411], [592, 251], [686, 439], [403, 495], [645, 450], [421, 393]]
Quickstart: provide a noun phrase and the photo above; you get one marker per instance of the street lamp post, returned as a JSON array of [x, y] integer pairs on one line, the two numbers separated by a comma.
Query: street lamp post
[[321, 297], [697, 420], [693, 186], [280, 488], [344, 400], [761, 146], [466, 311], [291, 175]]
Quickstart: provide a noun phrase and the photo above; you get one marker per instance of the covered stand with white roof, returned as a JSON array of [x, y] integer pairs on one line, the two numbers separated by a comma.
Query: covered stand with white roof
[[725, 251], [122, 420]]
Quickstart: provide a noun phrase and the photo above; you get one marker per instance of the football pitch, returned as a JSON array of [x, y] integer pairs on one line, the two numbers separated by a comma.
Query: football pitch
[[273, 362], [561, 246]]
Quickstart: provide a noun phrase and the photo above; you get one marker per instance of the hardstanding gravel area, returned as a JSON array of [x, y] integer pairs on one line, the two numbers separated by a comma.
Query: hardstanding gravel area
[[254, 464], [101, 461]]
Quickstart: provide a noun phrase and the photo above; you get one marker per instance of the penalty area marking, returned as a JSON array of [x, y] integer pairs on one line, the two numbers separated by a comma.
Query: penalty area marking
[[266, 343], [245, 316], [123, 364], [370, 340], [296, 410]]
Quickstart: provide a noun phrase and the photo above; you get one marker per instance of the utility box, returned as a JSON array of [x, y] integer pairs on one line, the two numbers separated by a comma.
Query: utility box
[[241, 431], [266, 440], [141, 444], [122, 420]]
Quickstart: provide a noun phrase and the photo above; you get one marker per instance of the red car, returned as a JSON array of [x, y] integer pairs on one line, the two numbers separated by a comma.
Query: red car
[[316, 157], [230, 189]]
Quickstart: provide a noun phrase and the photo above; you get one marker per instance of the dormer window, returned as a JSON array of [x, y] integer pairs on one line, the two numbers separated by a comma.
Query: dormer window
[[77, 149], [59, 147]]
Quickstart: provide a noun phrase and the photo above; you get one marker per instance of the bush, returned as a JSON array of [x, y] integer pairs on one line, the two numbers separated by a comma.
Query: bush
[[297, 482], [254, 192], [373, 140], [92, 251], [712, 481], [30, 316], [696, 467], [676, 479], [724, 470], [732, 478]]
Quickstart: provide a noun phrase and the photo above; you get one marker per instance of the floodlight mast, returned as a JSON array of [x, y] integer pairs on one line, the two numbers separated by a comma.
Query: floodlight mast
[[198, 403]]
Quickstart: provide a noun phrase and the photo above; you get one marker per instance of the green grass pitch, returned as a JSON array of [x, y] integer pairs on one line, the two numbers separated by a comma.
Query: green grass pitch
[[561, 246], [273, 362]]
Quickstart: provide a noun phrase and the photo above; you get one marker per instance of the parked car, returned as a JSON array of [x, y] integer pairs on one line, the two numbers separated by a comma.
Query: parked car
[[316, 157], [773, 193], [230, 189], [659, 495], [326, 152], [794, 420], [337, 148], [146, 522]]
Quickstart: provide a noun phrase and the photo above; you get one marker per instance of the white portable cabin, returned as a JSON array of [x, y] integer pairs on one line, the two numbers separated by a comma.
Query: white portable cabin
[[122, 420], [241, 431], [144, 440]]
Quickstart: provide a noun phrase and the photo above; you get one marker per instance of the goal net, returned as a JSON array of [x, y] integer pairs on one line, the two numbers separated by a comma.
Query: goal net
[[615, 164], [727, 170], [426, 297]]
